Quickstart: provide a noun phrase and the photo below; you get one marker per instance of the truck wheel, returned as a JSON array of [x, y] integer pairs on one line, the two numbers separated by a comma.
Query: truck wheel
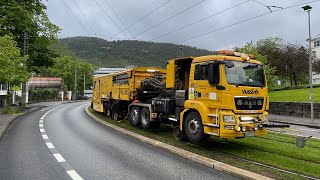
[[193, 127], [106, 111], [145, 118], [178, 134], [134, 117], [115, 116]]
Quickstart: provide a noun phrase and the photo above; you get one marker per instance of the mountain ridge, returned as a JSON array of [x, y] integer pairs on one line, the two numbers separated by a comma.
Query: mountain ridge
[[121, 53]]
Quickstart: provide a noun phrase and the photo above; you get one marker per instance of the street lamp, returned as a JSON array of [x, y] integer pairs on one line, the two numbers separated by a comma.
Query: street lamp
[[308, 8]]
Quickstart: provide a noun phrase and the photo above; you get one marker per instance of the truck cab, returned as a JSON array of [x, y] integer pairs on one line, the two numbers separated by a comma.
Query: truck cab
[[226, 95]]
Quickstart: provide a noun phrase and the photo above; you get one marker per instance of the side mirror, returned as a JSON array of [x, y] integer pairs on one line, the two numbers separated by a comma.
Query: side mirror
[[229, 64], [213, 74]]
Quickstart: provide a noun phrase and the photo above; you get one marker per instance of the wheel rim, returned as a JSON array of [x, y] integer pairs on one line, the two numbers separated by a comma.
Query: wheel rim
[[115, 116], [144, 118], [193, 126], [134, 115]]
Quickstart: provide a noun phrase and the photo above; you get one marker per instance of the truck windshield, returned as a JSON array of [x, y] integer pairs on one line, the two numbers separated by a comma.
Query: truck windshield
[[244, 74]]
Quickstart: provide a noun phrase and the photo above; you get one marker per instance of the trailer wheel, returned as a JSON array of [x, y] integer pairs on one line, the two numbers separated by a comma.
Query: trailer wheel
[[193, 127], [134, 117], [145, 118]]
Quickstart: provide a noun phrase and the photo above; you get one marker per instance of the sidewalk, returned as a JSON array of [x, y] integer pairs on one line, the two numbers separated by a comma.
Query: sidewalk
[[5, 120], [302, 121]]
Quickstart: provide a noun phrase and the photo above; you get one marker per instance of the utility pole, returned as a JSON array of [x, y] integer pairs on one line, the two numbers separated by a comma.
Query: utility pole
[[84, 84], [75, 80], [308, 9], [24, 84], [181, 51]]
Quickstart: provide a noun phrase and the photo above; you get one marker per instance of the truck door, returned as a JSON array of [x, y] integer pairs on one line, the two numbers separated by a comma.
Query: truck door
[[202, 89]]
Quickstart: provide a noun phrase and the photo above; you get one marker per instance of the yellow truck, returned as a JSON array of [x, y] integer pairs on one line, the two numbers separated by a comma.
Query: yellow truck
[[224, 95]]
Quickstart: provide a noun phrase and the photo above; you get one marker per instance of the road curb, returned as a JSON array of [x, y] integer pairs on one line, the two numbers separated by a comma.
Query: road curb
[[241, 173]]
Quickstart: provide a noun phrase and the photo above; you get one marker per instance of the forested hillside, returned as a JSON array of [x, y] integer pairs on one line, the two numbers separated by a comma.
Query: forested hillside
[[104, 53]]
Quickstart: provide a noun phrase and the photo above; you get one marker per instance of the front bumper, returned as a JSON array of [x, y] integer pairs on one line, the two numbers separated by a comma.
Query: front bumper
[[245, 125]]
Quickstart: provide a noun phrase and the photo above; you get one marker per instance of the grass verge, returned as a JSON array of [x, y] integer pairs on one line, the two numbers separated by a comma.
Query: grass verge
[[294, 95], [273, 149]]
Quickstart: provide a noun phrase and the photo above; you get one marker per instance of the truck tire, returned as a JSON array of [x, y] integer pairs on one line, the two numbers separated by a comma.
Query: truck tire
[[106, 110], [134, 116], [145, 118], [193, 127]]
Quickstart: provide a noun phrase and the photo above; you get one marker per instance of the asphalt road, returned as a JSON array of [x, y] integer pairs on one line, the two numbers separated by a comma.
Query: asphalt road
[[85, 149]]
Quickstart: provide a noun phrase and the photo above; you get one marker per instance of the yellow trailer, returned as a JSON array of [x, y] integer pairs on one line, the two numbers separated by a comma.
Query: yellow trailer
[[112, 92]]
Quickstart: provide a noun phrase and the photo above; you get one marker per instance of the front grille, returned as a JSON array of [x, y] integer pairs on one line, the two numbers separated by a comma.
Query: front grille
[[249, 103]]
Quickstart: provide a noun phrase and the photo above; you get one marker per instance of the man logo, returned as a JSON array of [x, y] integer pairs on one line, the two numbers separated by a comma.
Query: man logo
[[252, 91]]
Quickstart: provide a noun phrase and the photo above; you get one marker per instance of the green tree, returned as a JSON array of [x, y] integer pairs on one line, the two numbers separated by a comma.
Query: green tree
[[20, 17], [290, 59], [295, 62], [12, 65], [249, 48], [64, 68]]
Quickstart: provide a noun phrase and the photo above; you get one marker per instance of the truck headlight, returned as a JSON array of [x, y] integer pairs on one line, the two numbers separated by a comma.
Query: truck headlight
[[229, 119], [265, 119]]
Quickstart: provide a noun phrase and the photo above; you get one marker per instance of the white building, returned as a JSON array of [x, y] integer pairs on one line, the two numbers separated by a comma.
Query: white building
[[102, 71], [315, 47]]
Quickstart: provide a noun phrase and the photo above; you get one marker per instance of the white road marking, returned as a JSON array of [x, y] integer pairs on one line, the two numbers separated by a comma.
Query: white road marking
[[74, 175], [45, 137], [50, 145], [312, 130], [59, 157]]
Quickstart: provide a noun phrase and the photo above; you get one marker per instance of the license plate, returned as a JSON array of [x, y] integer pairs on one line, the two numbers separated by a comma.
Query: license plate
[[248, 134]]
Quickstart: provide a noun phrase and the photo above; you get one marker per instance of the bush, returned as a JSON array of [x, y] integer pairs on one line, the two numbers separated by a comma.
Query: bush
[[44, 94], [11, 110]]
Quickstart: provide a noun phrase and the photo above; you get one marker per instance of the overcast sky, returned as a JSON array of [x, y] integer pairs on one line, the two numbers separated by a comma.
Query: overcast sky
[[289, 24]]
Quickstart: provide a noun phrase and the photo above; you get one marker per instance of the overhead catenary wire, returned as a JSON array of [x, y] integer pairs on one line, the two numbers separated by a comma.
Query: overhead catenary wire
[[143, 18], [74, 1], [76, 17], [246, 20], [269, 7], [117, 16], [190, 7], [195, 22], [110, 17]]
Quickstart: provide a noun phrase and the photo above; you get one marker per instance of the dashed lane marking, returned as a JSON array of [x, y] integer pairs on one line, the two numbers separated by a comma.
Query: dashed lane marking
[[59, 157], [50, 145], [72, 173]]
